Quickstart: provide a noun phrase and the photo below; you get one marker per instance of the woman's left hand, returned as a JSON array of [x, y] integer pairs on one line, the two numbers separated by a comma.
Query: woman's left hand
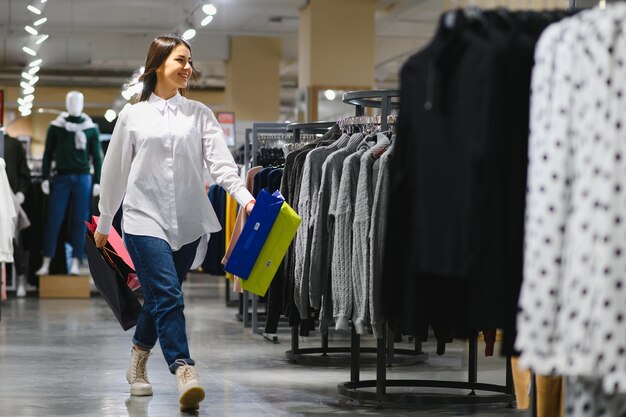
[[250, 206]]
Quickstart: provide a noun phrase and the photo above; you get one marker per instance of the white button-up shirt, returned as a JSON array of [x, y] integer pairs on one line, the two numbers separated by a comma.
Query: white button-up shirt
[[155, 163]]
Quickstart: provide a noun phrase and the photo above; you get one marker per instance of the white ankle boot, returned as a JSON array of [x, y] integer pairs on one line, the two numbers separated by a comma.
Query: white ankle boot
[[45, 267], [74, 267], [21, 286], [191, 393], [137, 375]]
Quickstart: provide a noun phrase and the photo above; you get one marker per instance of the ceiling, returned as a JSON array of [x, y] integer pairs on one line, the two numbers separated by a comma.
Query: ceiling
[[100, 43]]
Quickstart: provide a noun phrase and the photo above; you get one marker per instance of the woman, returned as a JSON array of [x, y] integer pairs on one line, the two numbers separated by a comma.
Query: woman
[[155, 164]]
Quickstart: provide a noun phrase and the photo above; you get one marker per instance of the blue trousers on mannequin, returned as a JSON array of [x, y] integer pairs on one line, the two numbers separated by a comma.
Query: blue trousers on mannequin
[[78, 189], [161, 272]]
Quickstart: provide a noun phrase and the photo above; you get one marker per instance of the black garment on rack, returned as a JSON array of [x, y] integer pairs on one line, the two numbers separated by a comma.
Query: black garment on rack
[[273, 180], [458, 175], [290, 189], [212, 263]]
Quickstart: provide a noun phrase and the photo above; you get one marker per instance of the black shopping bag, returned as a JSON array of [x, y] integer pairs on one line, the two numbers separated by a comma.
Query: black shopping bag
[[113, 287]]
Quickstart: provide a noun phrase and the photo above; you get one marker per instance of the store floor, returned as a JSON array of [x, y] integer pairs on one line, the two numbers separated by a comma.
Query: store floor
[[69, 358]]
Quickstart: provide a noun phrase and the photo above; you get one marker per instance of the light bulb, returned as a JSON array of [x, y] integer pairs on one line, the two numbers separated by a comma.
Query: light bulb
[[189, 34], [33, 9], [29, 98], [42, 39], [209, 9], [31, 30], [110, 115], [34, 70], [40, 21], [34, 80], [27, 76], [206, 20], [330, 95], [29, 51], [36, 62]]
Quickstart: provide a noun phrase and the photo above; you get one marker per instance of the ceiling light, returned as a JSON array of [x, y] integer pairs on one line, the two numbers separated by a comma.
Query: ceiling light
[[36, 62], [42, 39], [25, 107], [31, 30], [20, 101], [33, 9], [110, 115], [330, 95], [34, 80], [189, 34], [209, 9], [26, 113], [34, 70], [27, 76], [127, 94], [40, 21], [24, 84], [29, 51], [206, 20], [29, 98], [29, 89]]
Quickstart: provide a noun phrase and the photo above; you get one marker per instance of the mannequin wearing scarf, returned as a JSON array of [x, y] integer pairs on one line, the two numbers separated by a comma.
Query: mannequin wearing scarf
[[72, 140]]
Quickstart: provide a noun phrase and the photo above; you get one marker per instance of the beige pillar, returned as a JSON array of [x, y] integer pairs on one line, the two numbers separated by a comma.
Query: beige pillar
[[337, 45], [253, 78]]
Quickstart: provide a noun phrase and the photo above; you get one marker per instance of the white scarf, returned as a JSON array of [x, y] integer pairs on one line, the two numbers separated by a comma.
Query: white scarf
[[80, 139]]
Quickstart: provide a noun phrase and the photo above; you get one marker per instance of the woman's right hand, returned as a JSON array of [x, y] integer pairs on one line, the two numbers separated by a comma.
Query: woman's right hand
[[100, 239]]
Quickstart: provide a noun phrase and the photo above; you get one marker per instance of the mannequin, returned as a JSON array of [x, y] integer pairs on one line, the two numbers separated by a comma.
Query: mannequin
[[71, 140], [18, 174]]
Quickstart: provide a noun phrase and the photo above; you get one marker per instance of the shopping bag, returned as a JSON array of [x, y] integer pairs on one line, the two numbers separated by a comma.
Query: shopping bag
[[254, 234], [118, 254], [274, 250], [112, 286]]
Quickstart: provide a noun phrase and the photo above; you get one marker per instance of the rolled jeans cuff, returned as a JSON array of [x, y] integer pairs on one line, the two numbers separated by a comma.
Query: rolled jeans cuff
[[142, 345], [176, 364]]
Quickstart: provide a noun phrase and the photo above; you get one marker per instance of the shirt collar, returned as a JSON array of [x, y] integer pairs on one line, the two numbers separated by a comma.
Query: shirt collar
[[160, 104]]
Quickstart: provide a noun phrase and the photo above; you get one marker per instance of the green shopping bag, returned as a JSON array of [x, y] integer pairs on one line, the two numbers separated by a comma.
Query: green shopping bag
[[273, 251]]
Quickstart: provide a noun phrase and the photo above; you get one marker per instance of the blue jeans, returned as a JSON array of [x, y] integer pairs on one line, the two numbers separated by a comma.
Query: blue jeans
[[161, 272], [78, 189]]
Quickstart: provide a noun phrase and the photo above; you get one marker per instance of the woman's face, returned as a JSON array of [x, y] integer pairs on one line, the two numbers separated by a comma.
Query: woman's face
[[176, 70]]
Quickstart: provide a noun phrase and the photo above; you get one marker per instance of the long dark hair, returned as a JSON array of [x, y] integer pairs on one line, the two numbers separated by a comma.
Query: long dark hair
[[160, 48]]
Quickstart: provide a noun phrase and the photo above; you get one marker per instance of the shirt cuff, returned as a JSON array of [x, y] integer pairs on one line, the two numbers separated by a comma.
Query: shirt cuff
[[104, 224], [243, 197]]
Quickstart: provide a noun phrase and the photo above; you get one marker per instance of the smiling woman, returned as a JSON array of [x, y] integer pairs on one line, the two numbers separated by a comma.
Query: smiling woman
[[167, 55], [155, 165]]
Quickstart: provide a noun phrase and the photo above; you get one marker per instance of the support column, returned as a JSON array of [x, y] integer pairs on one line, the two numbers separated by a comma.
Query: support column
[[253, 78], [337, 45]]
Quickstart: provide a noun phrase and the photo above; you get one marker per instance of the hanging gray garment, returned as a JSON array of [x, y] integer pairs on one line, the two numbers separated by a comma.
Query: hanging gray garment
[[377, 239], [341, 265], [361, 279], [310, 184], [321, 225]]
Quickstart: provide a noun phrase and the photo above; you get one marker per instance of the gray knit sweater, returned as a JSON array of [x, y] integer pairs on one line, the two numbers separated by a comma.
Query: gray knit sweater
[[310, 184], [361, 277], [341, 265], [377, 238], [323, 224]]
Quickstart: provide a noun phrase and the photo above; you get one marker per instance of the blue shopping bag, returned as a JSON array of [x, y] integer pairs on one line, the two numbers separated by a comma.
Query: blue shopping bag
[[254, 234]]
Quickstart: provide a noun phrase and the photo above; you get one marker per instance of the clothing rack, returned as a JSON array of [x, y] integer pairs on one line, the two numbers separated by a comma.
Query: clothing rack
[[322, 356], [386, 101], [251, 319]]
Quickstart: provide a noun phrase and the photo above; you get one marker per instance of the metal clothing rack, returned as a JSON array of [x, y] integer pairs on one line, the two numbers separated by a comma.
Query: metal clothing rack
[[326, 355], [386, 100], [251, 319]]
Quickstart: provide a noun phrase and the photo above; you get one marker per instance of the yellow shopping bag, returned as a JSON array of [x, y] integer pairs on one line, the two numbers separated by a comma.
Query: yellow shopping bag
[[273, 251]]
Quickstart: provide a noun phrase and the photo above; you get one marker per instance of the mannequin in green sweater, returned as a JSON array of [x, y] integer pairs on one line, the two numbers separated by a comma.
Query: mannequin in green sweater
[[72, 140]]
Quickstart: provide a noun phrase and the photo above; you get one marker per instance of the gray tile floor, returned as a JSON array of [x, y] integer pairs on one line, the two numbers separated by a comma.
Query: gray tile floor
[[69, 357]]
